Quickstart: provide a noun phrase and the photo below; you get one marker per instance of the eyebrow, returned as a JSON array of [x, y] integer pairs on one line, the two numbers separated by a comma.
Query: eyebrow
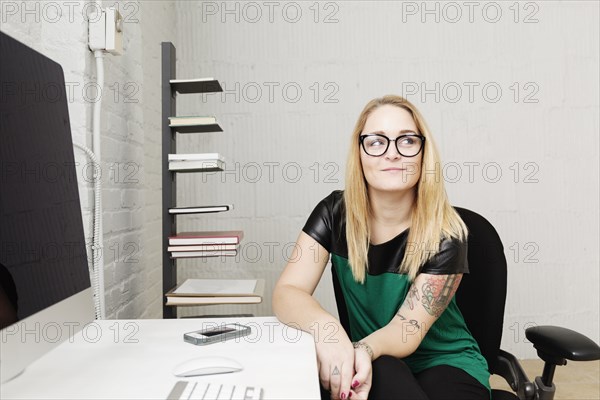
[[383, 133]]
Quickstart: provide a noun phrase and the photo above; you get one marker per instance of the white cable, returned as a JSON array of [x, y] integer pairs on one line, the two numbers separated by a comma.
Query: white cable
[[98, 231], [96, 244]]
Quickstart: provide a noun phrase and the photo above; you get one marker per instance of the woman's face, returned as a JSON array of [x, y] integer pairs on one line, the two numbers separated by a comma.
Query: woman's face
[[390, 172]]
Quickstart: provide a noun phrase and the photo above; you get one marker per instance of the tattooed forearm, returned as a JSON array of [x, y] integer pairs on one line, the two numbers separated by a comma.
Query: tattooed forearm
[[438, 291], [413, 294], [413, 322]]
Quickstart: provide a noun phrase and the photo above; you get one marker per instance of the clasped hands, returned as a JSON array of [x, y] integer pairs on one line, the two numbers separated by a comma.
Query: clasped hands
[[344, 370]]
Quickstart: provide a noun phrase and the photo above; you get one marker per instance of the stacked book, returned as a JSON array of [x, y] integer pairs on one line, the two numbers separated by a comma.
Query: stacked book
[[205, 162], [205, 244], [200, 209], [216, 291]]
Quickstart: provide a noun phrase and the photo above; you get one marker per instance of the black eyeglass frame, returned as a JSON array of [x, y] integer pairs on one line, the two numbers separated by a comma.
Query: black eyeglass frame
[[362, 138]]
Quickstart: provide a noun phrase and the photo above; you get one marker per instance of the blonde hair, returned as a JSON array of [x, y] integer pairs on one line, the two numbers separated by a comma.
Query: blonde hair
[[432, 219]]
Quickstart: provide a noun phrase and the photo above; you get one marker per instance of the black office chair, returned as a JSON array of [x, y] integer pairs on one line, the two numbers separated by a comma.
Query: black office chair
[[481, 297]]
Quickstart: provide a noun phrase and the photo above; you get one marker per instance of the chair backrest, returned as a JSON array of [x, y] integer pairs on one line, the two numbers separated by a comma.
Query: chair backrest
[[482, 292]]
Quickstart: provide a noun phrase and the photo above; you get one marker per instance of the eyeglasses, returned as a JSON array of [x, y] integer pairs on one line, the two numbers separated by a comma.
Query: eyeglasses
[[376, 145]]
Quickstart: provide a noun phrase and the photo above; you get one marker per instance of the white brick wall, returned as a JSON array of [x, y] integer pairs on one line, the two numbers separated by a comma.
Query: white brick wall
[[131, 145]]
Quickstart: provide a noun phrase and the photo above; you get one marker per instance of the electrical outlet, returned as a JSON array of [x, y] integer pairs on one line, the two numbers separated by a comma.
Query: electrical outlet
[[97, 31], [114, 31], [106, 31]]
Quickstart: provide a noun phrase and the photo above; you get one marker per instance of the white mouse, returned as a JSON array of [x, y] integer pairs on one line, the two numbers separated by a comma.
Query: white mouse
[[207, 366]]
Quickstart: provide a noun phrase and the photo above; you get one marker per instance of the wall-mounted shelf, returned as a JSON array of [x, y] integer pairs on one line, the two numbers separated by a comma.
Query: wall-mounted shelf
[[197, 128], [202, 85], [171, 126]]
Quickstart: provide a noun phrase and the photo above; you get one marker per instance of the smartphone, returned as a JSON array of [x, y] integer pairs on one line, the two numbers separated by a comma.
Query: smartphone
[[217, 334]]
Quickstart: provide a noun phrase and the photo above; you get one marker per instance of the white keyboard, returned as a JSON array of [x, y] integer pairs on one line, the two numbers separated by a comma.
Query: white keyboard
[[184, 390]]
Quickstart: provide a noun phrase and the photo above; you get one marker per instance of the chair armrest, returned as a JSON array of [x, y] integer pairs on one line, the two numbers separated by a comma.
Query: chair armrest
[[555, 344], [510, 369]]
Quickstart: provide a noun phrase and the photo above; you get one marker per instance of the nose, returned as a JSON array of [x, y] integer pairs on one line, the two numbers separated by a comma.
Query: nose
[[392, 152]]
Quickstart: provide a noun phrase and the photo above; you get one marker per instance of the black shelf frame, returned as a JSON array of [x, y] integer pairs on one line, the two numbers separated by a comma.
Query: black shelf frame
[[169, 182], [169, 146]]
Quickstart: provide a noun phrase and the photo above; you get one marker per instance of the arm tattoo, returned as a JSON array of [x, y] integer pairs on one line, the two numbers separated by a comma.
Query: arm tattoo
[[413, 322], [413, 293], [438, 291]]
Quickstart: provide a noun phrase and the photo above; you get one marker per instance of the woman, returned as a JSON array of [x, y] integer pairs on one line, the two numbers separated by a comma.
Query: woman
[[399, 250]]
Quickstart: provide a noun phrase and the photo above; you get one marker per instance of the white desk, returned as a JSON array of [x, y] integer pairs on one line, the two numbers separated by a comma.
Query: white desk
[[133, 359]]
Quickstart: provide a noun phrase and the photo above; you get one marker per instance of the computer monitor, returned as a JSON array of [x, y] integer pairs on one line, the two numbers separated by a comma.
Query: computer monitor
[[45, 294]]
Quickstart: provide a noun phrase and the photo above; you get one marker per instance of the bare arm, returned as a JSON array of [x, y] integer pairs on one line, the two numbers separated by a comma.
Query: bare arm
[[294, 305]]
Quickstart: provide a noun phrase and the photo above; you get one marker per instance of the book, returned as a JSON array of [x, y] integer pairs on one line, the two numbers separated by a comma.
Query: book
[[200, 209], [206, 237], [191, 80], [192, 301], [191, 120], [203, 253], [196, 157], [197, 165], [216, 291], [204, 247], [218, 287]]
